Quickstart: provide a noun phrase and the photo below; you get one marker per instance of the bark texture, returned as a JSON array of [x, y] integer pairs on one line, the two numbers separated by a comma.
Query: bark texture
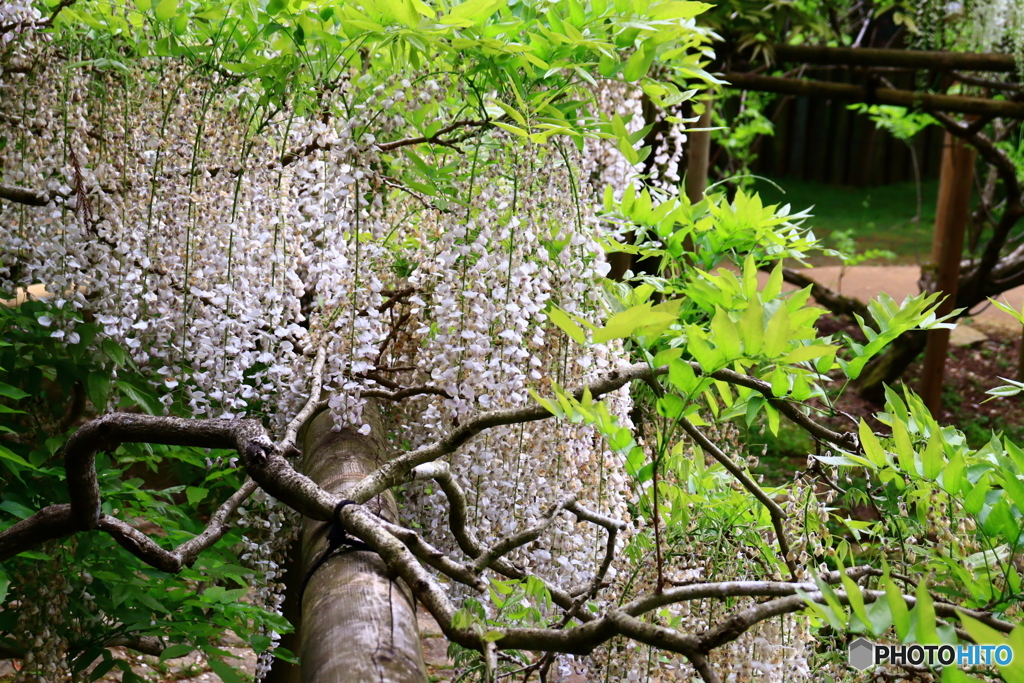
[[357, 623]]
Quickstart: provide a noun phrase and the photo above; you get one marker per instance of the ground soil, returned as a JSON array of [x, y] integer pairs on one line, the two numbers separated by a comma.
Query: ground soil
[[972, 368], [970, 371]]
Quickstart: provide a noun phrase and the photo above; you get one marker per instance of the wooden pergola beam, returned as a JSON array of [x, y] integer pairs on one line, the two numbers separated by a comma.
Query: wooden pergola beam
[[918, 59], [859, 93]]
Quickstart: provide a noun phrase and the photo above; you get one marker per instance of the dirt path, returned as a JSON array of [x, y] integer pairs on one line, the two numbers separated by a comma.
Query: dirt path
[[864, 282]]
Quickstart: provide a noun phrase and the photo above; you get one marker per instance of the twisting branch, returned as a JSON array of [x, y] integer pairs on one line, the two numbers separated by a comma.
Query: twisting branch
[[267, 465], [528, 535], [147, 645], [396, 470], [986, 148], [458, 524], [435, 558], [315, 145], [985, 82], [613, 527], [665, 638], [247, 437], [45, 23], [316, 384], [403, 393], [929, 102], [24, 195], [918, 59], [775, 512], [395, 298], [845, 440], [436, 137]]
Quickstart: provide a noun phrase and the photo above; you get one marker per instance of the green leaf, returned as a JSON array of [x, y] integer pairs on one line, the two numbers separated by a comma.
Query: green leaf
[[639, 63], [97, 386], [152, 603], [975, 498], [897, 606], [678, 10], [115, 352], [872, 447], [512, 129], [804, 353], [776, 337], [17, 509], [512, 113], [709, 359], [773, 418], [622, 324], [144, 400], [725, 335], [472, 12], [664, 356], [8, 454], [780, 382], [682, 377], [566, 324], [751, 328], [12, 392], [404, 11], [227, 673], [931, 458], [1014, 488], [853, 594], [166, 9], [983, 634], [952, 475], [904, 448], [880, 616], [175, 651], [549, 406], [195, 494], [925, 609]]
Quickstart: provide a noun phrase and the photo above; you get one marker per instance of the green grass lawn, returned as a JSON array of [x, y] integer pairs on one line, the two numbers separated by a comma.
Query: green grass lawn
[[878, 217]]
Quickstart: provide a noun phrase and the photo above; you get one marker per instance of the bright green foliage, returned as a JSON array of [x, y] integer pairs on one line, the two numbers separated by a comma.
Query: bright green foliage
[[44, 387], [897, 121], [946, 512], [526, 65]]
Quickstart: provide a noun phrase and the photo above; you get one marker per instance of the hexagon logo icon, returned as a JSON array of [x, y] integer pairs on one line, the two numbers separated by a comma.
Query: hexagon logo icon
[[862, 654]]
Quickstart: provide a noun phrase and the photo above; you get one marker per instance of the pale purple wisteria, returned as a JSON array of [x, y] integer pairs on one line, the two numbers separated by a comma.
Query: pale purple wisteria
[[222, 248]]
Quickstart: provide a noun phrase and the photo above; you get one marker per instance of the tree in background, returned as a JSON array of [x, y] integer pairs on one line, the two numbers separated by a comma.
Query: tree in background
[[267, 242], [964, 59]]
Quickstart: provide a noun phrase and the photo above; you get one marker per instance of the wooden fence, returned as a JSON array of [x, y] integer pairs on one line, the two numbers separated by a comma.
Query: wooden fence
[[821, 140]]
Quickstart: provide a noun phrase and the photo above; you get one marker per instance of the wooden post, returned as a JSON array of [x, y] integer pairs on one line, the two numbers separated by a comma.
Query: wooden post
[[951, 215], [1020, 358], [357, 623], [697, 156]]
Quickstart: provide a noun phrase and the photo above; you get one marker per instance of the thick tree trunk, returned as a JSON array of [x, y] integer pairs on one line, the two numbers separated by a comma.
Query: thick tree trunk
[[357, 624]]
